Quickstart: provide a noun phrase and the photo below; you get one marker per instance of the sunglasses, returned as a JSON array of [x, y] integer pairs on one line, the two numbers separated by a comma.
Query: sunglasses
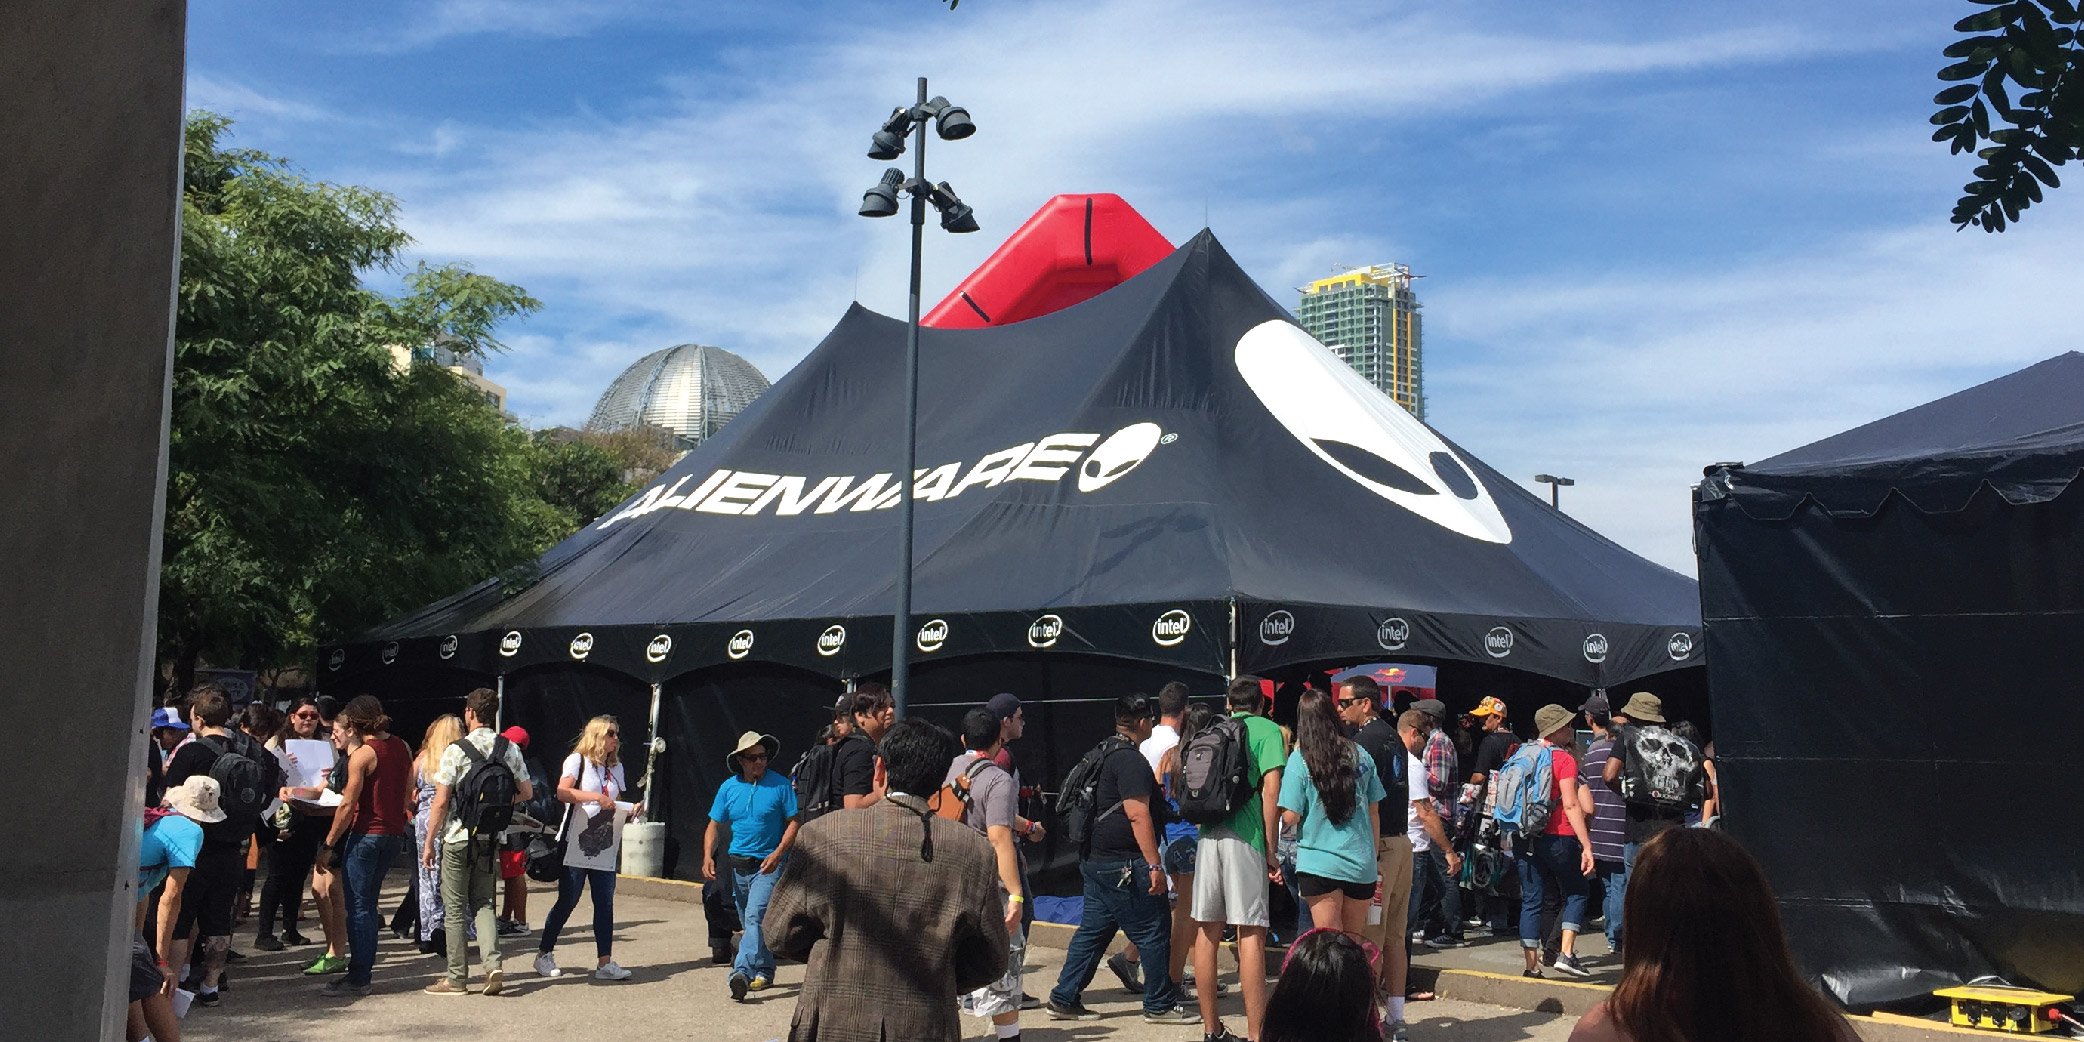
[[1347, 703], [305, 716], [612, 733], [762, 757]]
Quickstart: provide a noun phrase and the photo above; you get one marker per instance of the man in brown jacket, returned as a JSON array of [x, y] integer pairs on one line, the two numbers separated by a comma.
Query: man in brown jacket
[[896, 910]]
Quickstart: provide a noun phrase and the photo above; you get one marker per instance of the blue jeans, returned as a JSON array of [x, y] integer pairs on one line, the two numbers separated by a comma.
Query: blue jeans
[[1428, 879], [1117, 895], [364, 861], [750, 890], [1614, 874], [1550, 859], [602, 883]]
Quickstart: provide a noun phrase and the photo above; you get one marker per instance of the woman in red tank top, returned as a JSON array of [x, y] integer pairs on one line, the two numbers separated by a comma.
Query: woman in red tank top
[[369, 826]]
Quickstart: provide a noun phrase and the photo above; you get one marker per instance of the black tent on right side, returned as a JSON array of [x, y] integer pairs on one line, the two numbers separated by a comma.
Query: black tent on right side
[[1897, 614]]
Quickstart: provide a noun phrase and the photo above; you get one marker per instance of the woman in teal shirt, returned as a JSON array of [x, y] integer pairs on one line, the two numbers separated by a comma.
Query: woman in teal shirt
[[1332, 795]]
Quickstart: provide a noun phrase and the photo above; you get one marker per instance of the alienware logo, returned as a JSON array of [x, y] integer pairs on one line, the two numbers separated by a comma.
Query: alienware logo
[[1122, 452], [1356, 429]]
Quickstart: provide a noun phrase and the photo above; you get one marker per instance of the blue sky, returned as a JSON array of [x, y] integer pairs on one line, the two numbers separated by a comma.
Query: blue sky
[[1654, 236]]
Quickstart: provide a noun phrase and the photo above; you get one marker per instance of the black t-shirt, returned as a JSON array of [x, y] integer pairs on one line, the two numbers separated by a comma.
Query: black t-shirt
[[1492, 754], [1380, 739], [195, 758], [854, 766], [1644, 820], [1124, 775]]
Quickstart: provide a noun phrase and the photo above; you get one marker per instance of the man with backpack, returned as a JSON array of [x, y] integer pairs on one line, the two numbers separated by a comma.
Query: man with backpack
[[1658, 773], [247, 776], [871, 713], [476, 785], [1497, 745], [1111, 809], [1230, 785], [982, 795]]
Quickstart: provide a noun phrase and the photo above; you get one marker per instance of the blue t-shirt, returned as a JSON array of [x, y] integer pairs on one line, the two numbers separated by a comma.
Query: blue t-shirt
[[1344, 851], [171, 843], [757, 812]]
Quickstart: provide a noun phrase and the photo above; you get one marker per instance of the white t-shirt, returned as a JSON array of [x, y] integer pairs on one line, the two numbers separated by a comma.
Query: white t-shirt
[[1160, 742], [1415, 790], [591, 778]]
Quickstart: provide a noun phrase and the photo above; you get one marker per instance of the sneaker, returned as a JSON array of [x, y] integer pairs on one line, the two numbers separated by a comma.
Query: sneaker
[[292, 939], [1175, 1015], [1444, 941], [512, 928], [495, 981], [342, 988], [268, 942], [1028, 1001], [739, 986], [1568, 964], [232, 955], [1188, 983], [1129, 973], [1059, 1011], [325, 964], [1534, 974], [609, 971], [207, 998], [446, 986], [761, 982], [545, 965], [1222, 1034], [1548, 955], [721, 954], [1398, 1032]]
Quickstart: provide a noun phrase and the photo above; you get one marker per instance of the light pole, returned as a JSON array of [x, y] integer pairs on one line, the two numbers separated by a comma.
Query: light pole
[[1555, 485], [953, 123]]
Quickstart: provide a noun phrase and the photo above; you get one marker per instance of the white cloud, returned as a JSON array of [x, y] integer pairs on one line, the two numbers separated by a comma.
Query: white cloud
[[240, 101]]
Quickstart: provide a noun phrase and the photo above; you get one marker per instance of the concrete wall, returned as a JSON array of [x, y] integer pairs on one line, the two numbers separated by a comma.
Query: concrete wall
[[90, 113]]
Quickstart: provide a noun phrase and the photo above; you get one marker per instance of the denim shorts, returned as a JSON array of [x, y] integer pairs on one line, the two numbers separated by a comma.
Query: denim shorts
[[1178, 855]]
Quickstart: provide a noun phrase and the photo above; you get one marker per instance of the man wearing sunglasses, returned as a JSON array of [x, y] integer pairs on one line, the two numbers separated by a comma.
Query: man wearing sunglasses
[[759, 807]]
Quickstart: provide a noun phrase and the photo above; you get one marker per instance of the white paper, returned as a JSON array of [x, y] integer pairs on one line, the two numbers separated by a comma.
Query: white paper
[[313, 760], [182, 998], [328, 798]]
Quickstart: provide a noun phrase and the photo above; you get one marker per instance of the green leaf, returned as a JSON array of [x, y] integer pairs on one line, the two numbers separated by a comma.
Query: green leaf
[[1968, 46], [2062, 11], [1955, 95], [1984, 21], [1967, 70], [2040, 169], [1948, 115]]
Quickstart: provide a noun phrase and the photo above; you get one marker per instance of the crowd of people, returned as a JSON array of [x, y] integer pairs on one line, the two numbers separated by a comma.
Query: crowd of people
[[893, 861]]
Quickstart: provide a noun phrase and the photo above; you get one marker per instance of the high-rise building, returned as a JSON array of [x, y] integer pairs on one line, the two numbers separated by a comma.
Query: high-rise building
[[466, 366], [1369, 318]]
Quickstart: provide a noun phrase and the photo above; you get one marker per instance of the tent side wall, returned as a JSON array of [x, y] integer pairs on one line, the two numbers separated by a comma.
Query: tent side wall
[[1897, 704]]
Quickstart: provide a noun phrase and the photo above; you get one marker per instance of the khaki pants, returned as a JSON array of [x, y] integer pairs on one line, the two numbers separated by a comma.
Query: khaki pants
[[1393, 859], [469, 885]]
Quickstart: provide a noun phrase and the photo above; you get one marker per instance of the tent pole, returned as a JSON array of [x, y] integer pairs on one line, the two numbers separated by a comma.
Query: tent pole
[[651, 755], [499, 713], [1233, 638], [901, 618]]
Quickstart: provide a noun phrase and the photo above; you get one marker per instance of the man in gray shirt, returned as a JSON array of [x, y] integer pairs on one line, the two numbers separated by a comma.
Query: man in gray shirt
[[988, 798]]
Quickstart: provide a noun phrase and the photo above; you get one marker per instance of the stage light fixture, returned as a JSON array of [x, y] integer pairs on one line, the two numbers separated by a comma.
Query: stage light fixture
[[889, 142], [956, 215], [951, 121], [881, 200]]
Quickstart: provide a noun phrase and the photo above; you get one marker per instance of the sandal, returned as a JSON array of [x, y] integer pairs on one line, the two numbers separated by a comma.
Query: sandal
[[1419, 995]]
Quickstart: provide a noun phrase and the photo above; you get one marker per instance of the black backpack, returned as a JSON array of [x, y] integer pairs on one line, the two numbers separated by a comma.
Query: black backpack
[[1215, 776], [485, 794], [817, 779], [247, 777], [1076, 805]]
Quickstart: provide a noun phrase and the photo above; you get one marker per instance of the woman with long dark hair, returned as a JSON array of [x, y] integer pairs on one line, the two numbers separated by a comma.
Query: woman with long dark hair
[[1332, 795], [1706, 958], [1326, 992], [298, 829]]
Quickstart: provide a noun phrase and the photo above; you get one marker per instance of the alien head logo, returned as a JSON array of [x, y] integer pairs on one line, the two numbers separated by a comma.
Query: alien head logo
[[1276, 628], [390, 653], [1171, 628], [1393, 634], [1360, 433], [660, 647], [337, 659], [449, 644], [833, 639], [1498, 642], [1595, 648], [1122, 452], [1043, 632], [1680, 646], [510, 645], [740, 645], [932, 636], [581, 646]]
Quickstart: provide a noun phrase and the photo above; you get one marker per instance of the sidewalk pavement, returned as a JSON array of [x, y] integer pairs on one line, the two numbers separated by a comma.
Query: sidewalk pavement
[[674, 993]]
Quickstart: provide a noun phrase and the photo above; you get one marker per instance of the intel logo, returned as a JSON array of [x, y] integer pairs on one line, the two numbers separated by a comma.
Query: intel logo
[[932, 635], [510, 644], [1498, 642], [1276, 628], [448, 646], [582, 646], [337, 659], [833, 639], [1680, 647], [1595, 648], [1171, 628], [1043, 632], [660, 647], [1393, 634], [390, 653], [741, 644]]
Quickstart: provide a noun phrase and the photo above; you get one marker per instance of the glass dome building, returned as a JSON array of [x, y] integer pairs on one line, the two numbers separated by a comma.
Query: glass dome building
[[691, 390]]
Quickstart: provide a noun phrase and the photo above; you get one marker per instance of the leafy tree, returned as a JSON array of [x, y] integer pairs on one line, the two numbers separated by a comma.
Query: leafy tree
[[317, 486], [577, 476], [2036, 46]]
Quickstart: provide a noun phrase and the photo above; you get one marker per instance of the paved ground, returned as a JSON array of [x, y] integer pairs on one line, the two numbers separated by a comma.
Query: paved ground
[[675, 994]]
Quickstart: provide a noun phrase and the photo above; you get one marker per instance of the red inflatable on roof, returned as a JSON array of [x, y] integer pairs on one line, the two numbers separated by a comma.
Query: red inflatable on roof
[[1074, 248]]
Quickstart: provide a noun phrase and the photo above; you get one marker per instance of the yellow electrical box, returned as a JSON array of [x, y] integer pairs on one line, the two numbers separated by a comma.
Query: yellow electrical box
[[2020, 1011]]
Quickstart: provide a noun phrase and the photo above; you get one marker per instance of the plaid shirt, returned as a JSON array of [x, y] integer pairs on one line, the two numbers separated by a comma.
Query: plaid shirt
[[1441, 763]]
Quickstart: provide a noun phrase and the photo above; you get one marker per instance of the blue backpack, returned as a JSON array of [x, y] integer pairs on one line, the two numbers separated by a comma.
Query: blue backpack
[[1519, 799]]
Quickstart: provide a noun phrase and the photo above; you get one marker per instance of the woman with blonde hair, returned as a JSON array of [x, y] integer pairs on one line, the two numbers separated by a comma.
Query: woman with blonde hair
[[591, 781], [441, 734]]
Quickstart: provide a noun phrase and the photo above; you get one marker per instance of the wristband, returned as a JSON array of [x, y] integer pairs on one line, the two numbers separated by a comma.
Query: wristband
[[1016, 898]]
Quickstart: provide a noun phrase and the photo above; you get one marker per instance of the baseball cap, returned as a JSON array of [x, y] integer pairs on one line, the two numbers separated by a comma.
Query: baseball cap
[[1491, 705], [517, 735], [168, 718], [1003, 705], [1596, 707]]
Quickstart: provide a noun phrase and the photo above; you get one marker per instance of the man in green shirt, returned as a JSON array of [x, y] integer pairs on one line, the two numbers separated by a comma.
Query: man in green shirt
[[1233, 865]]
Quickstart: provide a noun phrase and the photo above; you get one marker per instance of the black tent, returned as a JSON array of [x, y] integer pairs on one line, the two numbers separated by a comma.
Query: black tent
[[1171, 478], [1894, 611]]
